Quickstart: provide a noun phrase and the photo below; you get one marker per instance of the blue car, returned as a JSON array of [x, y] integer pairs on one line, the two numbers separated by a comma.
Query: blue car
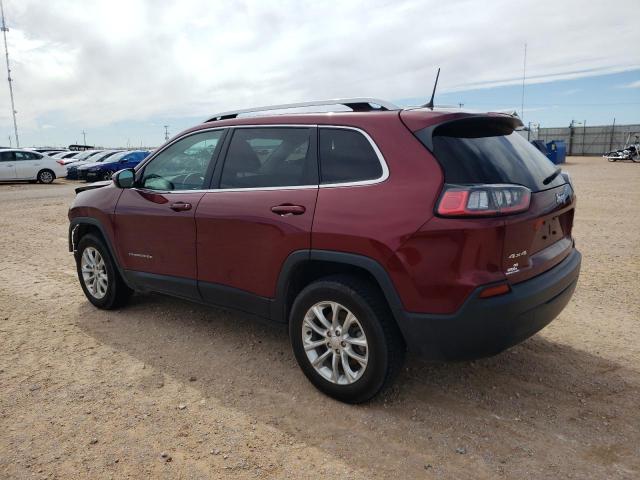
[[118, 161]]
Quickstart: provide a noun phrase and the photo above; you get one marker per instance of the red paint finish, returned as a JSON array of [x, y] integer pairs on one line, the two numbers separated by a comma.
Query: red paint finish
[[540, 238], [374, 220], [100, 204], [146, 226], [439, 266], [242, 238], [242, 243]]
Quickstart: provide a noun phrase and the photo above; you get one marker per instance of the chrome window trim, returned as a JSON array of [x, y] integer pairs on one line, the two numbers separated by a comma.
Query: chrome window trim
[[383, 163]]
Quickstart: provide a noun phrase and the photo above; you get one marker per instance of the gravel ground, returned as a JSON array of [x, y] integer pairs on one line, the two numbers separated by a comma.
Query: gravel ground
[[168, 389]]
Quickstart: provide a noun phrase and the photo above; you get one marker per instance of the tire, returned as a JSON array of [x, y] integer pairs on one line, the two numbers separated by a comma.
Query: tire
[[46, 176], [384, 351], [116, 293], [107, 175]]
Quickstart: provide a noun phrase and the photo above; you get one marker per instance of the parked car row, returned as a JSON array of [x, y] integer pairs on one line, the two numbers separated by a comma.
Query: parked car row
[[45, 167]]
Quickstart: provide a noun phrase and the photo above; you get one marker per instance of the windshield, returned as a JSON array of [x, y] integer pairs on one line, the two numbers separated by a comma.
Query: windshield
[[86, 154], [102, 156]]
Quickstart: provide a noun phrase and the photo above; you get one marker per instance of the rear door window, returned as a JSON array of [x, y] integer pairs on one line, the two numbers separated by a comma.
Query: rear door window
[[270, 157], [484, 151], [347, 156]]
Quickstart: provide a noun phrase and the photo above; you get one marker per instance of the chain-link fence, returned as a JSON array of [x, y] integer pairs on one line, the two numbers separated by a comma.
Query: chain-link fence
[[581, 140]]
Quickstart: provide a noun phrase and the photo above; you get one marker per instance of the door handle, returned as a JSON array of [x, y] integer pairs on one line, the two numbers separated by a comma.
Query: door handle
[[180, 206], [288, 209]]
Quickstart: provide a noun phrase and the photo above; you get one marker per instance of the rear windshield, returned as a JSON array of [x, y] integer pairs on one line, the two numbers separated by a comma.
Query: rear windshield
[[481, 151]]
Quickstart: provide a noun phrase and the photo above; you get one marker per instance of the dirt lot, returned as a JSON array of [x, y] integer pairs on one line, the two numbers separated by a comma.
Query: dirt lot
[[93, 394]]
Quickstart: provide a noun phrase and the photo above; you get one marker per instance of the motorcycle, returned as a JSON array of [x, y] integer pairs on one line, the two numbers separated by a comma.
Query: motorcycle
[[631, 151]]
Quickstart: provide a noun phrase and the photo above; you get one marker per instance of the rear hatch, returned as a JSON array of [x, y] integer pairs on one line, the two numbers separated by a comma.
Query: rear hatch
[[486, 150]]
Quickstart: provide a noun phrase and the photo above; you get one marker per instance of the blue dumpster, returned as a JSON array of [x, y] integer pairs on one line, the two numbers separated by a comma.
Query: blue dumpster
[[557, 151]]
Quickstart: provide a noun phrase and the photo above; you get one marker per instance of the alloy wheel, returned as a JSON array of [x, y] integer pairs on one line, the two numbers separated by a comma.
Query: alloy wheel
[[46, 177], [94, 272], [335, 342]]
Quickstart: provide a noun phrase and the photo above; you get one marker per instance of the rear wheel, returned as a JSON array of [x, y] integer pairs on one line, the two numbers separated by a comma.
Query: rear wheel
[[98, 275], [46, 176], [344, 338]]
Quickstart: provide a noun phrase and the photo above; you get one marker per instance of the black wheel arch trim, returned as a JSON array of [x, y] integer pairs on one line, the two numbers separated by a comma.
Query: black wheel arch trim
[[296, 259], [73, 241]]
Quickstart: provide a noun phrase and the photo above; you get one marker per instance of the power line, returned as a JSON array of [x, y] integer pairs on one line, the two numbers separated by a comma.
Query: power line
[[6, 52]]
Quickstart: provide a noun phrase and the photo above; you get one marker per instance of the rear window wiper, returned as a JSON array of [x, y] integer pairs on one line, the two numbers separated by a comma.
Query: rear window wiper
[[550, 178]]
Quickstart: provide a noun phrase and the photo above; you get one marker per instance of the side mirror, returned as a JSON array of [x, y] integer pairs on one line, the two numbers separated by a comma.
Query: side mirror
[[124, 178]]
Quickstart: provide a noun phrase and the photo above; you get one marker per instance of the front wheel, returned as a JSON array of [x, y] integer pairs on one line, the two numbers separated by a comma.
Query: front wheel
[[100, 280], [107, 175], [345, 339]]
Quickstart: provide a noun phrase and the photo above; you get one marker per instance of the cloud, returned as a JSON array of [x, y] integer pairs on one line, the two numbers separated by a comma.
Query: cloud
[[635, 84], [106, 61]]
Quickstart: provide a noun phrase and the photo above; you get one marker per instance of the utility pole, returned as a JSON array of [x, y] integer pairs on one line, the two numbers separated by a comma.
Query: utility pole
[[613, 129], [584, 134], [166, 133], [6, 52], [84, 137], [524, 76], [571, 137], [460, 104]]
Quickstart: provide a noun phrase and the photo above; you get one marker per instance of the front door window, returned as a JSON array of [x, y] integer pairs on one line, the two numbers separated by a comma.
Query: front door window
[[183, 165]]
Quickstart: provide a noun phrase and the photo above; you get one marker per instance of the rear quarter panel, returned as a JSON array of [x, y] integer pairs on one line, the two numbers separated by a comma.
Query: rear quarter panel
[[375, 220]]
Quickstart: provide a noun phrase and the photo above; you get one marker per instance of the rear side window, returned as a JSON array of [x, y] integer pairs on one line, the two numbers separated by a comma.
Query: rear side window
[[27, 156], [270, 157], [481, 151], [347, 156]]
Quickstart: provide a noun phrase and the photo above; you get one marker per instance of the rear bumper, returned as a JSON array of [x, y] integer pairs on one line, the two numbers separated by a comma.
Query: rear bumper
[[484, 327]]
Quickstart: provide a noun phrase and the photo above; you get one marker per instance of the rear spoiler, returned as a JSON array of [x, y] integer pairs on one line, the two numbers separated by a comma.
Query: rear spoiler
[[471, 126]]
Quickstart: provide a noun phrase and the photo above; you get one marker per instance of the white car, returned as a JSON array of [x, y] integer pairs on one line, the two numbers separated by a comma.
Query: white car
[[17, 164], [65, 155], [83, 157]]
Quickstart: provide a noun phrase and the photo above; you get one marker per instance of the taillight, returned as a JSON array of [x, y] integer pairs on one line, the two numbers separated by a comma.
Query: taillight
[[483, 200], [61, 162]]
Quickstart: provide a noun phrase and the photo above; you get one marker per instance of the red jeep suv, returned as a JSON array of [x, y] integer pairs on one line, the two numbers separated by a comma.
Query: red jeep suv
[[369, 232]]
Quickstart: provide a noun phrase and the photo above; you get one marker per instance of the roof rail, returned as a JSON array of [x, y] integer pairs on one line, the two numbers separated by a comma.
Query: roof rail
[[356, 104]]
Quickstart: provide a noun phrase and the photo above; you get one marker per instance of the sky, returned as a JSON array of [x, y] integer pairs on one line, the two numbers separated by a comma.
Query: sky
[[121, 70]]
